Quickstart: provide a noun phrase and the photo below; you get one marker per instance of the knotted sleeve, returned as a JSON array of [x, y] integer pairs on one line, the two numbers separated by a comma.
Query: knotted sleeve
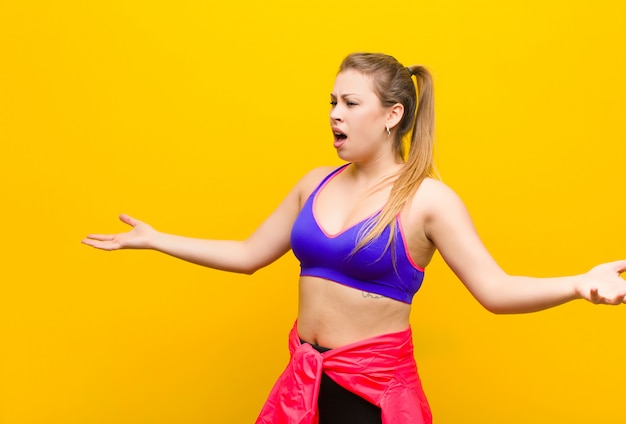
[[293, 399]]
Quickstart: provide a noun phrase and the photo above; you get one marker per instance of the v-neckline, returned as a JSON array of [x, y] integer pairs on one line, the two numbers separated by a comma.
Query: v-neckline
[[350, 227]]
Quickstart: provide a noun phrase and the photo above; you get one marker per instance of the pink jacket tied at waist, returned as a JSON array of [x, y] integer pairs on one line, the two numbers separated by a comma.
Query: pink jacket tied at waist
[[380, 369]]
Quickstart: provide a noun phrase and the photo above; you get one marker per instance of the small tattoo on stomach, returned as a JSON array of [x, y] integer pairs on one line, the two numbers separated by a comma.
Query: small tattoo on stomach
[[372, 295]]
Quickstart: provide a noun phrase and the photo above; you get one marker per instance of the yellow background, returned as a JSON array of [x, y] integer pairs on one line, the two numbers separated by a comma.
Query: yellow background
[[198, 117]]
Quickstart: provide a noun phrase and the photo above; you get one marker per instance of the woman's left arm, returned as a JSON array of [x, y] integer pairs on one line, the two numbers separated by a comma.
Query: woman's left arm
[[449, 226]]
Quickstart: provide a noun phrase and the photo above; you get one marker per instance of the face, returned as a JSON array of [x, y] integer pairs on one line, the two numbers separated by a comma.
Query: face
[[357, 118]]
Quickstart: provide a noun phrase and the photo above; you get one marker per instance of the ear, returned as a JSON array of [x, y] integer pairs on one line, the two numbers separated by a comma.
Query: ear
[[394, 115]]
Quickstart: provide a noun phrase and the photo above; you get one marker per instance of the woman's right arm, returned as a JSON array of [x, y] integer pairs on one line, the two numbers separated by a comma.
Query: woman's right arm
[[269, 242]]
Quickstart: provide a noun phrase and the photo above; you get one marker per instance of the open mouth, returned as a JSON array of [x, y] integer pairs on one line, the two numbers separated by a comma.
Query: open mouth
[[339, 136]]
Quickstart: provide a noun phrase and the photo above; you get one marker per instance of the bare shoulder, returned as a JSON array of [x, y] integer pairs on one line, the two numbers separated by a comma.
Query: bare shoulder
[[434, 196], [432, 200], [442, 210], [436, 203], [311, 179], [318, 173]]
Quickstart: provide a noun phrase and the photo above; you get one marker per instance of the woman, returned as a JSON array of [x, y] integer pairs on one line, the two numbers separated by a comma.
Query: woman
[[364, 233]]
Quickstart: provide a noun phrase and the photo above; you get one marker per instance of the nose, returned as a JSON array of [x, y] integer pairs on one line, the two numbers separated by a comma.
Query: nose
[[335, 113]]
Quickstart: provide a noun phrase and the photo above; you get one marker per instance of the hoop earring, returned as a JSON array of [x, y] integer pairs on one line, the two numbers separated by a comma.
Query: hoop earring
[[388, 131]]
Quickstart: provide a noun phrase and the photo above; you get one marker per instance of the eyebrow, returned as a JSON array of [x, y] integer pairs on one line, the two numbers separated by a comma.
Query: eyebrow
[[344, 95]]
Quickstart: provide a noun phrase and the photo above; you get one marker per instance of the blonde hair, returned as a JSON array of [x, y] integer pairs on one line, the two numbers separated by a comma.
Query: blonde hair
[[393, 83]]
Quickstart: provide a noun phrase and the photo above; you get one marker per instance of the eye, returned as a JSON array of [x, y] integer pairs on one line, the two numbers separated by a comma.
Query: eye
[[351, 103], [333, 102]]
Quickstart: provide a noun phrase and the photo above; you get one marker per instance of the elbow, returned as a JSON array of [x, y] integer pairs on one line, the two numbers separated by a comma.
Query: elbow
[[249, 267], [245, 269], [249, 271], [495, 296], [490, 306], [495, 307], [501, 307], [251, 260], [246, 263]]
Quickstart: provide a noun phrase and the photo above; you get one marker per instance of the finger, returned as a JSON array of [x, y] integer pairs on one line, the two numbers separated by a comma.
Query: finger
[[126, 219], [621, 298], [86, 241], [102, 245], [615, 300], [618, 266], [100, 237], [594, 296]]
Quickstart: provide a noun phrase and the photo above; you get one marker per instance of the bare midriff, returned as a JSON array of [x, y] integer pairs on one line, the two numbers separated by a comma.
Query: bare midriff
[[333, 315]]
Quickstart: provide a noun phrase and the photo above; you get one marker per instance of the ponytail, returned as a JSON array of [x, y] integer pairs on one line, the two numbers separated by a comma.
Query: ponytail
[[394, 84]]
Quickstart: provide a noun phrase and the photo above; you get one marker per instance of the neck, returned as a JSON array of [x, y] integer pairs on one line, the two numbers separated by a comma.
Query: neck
[[376, 170]]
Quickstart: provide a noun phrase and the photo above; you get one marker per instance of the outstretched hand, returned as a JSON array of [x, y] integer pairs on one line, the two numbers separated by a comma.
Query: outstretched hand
[[603, 284], [137, 238]]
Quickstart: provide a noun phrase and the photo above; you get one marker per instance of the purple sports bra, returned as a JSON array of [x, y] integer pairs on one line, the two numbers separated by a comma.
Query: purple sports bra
[[370, 269]]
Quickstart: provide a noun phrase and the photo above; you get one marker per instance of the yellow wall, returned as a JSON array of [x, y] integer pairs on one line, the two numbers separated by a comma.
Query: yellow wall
[[198, 118]]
